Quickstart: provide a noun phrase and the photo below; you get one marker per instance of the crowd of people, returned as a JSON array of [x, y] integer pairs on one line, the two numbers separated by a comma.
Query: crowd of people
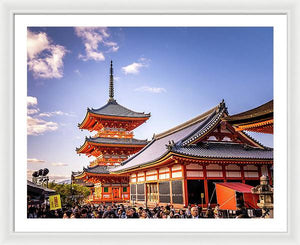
[[120, 211]]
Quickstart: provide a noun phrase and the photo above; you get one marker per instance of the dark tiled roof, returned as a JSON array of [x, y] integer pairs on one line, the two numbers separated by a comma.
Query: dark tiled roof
[[118, 141], [264, 111], [112, 108], [157, 147], [206, 126], [224, 150], [97, 169]]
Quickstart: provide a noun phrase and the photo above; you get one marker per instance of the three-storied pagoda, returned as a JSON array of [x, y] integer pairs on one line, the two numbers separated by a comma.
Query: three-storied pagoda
[[112, 144]]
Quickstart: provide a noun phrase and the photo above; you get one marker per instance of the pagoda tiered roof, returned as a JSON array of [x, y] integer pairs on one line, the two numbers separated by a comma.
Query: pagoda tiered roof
[[190, 140], [113, 111], [112, 108], [111, 142]]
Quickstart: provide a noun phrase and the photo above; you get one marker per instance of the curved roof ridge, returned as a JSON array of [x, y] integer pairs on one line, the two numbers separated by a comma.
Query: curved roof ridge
[[204, 128], [264, 109], [186, 124], [114, 102], [201, 126]]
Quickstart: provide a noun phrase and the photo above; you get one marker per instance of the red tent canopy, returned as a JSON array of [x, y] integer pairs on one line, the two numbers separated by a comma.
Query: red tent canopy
[[240, 187], [226, 195]]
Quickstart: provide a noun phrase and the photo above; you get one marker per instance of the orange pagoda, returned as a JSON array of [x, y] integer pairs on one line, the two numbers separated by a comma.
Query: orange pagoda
[[112, 143]]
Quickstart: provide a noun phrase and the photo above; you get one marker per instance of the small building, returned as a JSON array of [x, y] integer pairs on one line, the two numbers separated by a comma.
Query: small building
[[37, 194], [182, 165]]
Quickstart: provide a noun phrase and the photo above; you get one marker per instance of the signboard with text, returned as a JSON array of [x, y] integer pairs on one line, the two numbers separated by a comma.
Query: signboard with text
[[55, 202]]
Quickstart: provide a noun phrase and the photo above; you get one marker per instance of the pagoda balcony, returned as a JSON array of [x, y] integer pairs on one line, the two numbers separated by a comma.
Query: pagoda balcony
[[114, 134], [109, 161]]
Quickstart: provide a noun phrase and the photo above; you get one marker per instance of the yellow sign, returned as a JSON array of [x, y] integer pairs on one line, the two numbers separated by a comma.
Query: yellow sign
[[202, 195], [55, 202]]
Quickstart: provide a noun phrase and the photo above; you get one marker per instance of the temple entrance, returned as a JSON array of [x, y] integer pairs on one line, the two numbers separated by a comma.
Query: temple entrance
[[195, 188], [116, 193], [152, 192]]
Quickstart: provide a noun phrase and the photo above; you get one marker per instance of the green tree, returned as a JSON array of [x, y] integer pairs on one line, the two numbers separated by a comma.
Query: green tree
[[70, 194]]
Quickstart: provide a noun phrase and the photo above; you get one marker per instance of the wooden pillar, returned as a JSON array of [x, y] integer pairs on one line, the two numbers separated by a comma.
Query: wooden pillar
[[242, 174], [205, 185], [224, 173], [270, 175], [157, 172], [170, 183], [145, 189], [185, 189]]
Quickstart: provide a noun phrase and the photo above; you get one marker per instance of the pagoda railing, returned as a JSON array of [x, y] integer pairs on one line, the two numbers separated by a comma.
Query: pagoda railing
[[114, 134]]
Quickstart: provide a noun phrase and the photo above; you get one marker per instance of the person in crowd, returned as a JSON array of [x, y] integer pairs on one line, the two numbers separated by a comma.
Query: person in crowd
[[194, 213], [209, 212], [217, 211], [188, 211], [122, 212]]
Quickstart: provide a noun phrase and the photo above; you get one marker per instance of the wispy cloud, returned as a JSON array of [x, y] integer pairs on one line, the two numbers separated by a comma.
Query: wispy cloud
[[37, 126], [59, 164], [55, 113], [151, 89], [32, 105], [135, 67], [44, 58], [77, 72], [35, 160], [95, 40]]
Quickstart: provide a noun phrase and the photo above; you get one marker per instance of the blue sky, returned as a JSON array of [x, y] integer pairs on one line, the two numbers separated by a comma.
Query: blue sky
[[174, 73]]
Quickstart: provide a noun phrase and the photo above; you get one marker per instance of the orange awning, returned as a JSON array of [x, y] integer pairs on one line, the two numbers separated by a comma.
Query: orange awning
[[226, 195]]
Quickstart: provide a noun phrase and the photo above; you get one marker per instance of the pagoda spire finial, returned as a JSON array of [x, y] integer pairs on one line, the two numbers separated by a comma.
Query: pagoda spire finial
[[111, 83]]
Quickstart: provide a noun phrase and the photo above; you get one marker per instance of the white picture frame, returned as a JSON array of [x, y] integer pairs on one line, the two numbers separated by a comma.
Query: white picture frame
[[10, 9]]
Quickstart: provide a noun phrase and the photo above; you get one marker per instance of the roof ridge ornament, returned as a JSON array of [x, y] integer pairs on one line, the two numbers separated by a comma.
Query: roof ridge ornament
[[111, 83]]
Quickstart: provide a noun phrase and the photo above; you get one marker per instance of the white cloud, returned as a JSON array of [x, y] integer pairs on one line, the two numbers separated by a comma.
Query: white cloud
[[36, 43], [135, 67], [34, 160], [32, 111], [32, 105], [54, 113], [151, 89], [92, 38], [59, 164], [31, 101], [36, 126], [44, 58]]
